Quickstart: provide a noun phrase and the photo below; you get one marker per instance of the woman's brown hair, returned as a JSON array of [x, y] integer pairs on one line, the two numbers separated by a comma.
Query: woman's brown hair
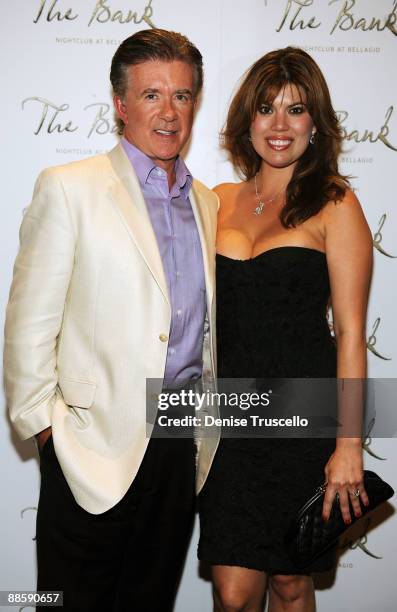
[[316, 179]]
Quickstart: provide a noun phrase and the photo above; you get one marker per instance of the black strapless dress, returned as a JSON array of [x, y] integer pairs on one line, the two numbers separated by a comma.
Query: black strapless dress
[[271, 322]]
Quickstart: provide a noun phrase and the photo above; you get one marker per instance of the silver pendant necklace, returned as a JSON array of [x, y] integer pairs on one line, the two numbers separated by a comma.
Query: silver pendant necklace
[[258, 210]]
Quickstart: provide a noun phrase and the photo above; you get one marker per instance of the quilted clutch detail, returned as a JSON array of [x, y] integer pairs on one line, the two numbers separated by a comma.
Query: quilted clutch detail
[[309, 536]]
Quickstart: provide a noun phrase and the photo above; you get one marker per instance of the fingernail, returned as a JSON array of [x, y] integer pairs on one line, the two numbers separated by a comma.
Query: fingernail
[[366, 503], [348, 521], [357, 514]]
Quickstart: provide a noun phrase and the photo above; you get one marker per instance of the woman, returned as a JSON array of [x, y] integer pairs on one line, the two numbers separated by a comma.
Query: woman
[[291, 237]]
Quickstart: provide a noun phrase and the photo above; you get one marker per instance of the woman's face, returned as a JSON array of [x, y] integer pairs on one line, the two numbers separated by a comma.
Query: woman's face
[[280, 131]]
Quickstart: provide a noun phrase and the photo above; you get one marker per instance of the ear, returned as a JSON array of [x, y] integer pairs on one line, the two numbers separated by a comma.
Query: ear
[[121, 109]]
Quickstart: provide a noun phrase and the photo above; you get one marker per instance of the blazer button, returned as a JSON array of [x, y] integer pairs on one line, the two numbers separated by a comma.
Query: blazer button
[[163, 337]]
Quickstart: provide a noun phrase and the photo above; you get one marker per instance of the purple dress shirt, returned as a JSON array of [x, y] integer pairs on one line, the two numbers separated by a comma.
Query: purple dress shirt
[[175, 228]]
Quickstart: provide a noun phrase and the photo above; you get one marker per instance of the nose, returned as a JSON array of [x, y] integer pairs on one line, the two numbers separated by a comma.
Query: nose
[[168, 111], [280, 120]]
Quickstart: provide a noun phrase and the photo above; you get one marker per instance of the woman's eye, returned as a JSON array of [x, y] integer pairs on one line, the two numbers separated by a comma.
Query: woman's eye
[[265, 109], [297, 110]]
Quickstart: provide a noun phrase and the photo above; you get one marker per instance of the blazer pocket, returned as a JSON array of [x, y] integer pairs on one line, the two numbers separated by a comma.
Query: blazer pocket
[[77, 392]]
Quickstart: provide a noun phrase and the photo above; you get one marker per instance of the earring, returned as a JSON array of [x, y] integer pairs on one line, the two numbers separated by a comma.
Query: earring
[[312, 138], [249, 138]]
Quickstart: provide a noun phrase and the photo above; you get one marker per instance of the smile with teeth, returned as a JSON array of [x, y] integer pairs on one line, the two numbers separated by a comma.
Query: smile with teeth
[[165, 132], [279, 144]]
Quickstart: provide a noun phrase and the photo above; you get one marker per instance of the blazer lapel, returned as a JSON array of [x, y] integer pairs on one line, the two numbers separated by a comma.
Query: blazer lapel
[[129, 200], [207, 237]]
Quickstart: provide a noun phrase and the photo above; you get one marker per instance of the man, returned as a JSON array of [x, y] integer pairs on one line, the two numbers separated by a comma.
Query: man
[[113, 284]]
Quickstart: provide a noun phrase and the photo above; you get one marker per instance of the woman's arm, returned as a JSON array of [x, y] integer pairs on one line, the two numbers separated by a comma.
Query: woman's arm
[[348, 244]]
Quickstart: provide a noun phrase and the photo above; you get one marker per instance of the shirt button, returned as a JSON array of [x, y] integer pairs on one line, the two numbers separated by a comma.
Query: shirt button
[[172, 351], [163, 337], [179, 312], [178, 274]]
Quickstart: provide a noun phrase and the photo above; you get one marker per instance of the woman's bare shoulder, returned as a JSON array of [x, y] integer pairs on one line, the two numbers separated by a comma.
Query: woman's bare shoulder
[[227, 187], [227, 192], [345, 219], [348, 208]]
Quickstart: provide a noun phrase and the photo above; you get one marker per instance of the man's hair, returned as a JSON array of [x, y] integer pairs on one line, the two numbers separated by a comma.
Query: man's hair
[[154, 44], [316, 179]]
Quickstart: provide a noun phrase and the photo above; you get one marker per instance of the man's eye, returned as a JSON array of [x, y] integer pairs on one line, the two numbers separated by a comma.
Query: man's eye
[[264, 109], [182, 97], [150, 96]]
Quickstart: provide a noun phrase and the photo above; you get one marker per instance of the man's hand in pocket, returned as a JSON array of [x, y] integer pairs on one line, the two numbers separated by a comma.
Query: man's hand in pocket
[[42, 437]]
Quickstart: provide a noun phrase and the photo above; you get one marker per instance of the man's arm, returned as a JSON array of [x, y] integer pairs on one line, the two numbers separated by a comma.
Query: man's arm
[[42, 274]]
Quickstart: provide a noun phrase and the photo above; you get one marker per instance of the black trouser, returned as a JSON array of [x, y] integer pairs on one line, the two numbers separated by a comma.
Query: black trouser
[[130, 557]]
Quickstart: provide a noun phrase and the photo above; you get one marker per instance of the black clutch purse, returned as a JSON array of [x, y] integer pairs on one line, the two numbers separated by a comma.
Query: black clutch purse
[[309, 536]]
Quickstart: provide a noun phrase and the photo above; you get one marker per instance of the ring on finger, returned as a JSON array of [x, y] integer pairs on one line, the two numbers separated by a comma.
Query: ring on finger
[[355, 493]]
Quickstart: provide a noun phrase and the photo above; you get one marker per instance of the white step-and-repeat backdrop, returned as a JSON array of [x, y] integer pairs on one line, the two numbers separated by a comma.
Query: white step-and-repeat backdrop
[[56, 107]]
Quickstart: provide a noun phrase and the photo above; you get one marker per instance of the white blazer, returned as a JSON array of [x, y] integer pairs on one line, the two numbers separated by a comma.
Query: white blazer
[[88, 321]]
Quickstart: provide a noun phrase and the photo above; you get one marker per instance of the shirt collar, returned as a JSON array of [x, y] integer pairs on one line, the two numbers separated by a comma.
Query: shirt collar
[[143, 167]]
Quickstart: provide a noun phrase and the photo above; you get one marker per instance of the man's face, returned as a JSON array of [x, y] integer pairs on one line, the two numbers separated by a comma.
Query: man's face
[[157, 109]]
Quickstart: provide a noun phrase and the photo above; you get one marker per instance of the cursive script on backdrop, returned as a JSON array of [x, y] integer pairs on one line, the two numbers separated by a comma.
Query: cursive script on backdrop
[[29, 509], [298, 14], [377, 239], [367, 135], [102, 12], [361, 542], [54, 118], [372, 341], [367, 441]]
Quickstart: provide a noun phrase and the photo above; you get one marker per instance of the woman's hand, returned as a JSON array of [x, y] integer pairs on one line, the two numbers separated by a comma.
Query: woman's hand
[[344, 475]]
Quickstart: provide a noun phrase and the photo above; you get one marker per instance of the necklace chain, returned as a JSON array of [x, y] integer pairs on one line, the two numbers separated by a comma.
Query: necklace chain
[[258, 210]]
